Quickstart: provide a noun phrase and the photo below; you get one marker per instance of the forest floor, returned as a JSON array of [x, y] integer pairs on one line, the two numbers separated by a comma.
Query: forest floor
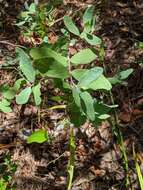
[[99, 164]]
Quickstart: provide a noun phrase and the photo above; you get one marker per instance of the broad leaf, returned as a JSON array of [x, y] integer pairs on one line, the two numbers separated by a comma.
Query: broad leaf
[[78, 73], [23, 96], [101, 83], [71, 26], [85, 56], [5, 106], [37, 94], [89, 76], [76, 117], [51, 68], [125, 74], [88, 15], [89, 105], [76, 95], [44, 52], [19, 83], [119, 77], [3, 184], [8, 92], [91, 39], [26, 65], [56, 70], [88, 19], [39, 136]]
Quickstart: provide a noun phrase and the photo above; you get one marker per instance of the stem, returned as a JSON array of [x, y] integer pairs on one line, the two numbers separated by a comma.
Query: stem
[[117, 132], [71, 162]]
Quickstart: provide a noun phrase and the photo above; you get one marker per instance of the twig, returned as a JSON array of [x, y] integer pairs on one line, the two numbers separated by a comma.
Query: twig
[[11, 44]]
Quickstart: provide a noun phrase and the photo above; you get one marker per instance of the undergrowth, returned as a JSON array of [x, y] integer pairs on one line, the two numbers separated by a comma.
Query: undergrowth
[[80, 76]]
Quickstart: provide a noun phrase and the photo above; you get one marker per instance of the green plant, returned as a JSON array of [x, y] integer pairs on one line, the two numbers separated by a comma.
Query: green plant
[[138, 169], [7, 169], [70, 74], [89, 23], [47, 63], [36, 20]]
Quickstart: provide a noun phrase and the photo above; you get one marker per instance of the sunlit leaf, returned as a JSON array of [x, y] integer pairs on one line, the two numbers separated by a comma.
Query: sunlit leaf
[[85, 56], [37, 94], [88, 15], [26, 65], [8, 92], [23, 96], [76, 95], [104, 116], [101, 83], [5, 106], [91, 39], [125, 74], [89, 105], [39, 136], [89, 76], [71, 26]]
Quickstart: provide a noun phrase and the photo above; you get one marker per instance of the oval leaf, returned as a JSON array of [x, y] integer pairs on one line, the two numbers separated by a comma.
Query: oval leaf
[[44, 52], [39, 136], [23, 96], [89, 105], [26, 65], [71, 26], [91, 39], [85, 56], [101, 83], [125, 74], [37, 94], [90, 76], [78, 73], [5, 106], [76, 95]]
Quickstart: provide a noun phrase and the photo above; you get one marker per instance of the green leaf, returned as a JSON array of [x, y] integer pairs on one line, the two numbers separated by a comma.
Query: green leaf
[[56, 70], [76, 95], [26, 65], [37, 94], [23, 96], [85, 56], [91, 39], [8, 92], [125, 74], [3, 184], [32, 8], [18, 83], [88, 19], [101, 83], [119, 77], [102, 108], [51, 68], [44, 52], [39, 136], [71, 26], [5, 106], [78, 73], [89, 105], [88, 15], [76, 117], [90, 76], [104, 116]]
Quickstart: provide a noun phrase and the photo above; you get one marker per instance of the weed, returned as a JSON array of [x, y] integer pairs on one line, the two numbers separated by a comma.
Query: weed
[[7, 169], [54, 62]]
